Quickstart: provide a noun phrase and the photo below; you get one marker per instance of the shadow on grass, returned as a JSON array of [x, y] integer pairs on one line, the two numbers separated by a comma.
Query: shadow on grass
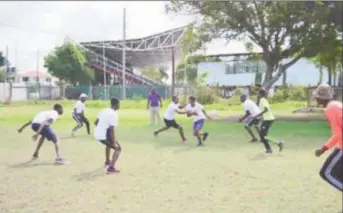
[[86, 176], [69, 137], [30, 163], [264, 156]]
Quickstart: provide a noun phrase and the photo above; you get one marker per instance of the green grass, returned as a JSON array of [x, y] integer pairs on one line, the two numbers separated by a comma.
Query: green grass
[[160, 174]]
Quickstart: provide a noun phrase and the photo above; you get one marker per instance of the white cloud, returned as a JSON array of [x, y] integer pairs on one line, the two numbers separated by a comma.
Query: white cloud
[[39, 26]]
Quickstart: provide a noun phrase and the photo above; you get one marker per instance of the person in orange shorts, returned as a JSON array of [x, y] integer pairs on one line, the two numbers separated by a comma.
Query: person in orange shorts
[[332, 170]]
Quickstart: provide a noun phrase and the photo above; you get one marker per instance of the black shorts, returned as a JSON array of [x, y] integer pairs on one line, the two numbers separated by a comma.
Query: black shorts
[[265, 127], [171, 123], [249, 121], [110, 143]]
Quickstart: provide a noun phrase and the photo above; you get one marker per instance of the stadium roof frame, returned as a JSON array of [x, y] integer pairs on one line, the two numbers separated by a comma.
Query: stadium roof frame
[[150, 50]]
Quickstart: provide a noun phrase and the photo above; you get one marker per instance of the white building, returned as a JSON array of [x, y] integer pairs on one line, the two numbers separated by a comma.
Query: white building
[[33, 77]]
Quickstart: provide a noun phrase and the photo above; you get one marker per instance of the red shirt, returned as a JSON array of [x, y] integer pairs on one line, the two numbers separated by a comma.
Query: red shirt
[[333, 114]]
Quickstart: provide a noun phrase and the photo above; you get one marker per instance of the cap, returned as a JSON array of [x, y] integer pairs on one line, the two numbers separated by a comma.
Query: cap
[[323, 92], [83, 95]]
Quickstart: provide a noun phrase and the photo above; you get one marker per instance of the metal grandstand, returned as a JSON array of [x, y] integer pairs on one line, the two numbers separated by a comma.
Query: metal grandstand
[[162, 48]]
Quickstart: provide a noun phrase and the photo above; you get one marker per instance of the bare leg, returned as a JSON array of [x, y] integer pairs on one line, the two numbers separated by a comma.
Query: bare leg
[[161, 130], [182, 134], [257, 130], [251, 134], [57, 149], [39, 145], [198, 135], [107, 154], [115, 155]]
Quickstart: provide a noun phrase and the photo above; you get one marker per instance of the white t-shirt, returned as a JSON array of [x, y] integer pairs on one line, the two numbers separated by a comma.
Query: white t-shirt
[[45, 115], [106, 118], [170, 113], [197, 109], [251, 107], [79, 107]]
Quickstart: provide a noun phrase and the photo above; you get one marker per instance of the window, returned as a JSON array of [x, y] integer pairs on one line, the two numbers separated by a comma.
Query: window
[[25, 79], [48, 79], [37, 79]]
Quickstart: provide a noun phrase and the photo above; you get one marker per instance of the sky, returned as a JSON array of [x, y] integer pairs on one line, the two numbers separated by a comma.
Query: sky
[[31, 29]]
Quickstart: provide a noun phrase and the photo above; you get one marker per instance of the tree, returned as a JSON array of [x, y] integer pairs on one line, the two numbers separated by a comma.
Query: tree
[[330, 58], [2, 74], [190, 65], [2, 60], [69, 63], [285, 31], [158, 74]]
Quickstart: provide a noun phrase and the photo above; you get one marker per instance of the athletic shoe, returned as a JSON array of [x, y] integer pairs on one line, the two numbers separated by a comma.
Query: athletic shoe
[[112, 170], [205, 136], [35, 156], [200, 144], [269, 151], [254, 140], [155, 134], [281, 145], [59, 161]]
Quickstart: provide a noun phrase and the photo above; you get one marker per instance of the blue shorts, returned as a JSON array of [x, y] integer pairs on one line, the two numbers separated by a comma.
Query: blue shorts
[[197, 125], [46, 132], [109, 142]]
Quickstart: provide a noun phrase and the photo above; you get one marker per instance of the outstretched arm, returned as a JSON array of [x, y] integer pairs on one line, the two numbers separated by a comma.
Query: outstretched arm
[[24, 126], [247, 113], [208, 117]]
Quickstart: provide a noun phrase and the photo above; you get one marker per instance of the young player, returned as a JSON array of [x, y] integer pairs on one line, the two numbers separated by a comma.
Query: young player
[[268, 120], [79, 116], [169, 118], [196, 110], [104, 132], [251, 110], [331, 170], [41, 126]]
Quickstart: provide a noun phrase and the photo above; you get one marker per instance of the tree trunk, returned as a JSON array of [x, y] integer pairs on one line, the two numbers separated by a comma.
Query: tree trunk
[[320, 74], [330, 75]]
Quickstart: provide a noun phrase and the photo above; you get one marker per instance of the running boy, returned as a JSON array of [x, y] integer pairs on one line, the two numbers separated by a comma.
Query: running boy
[[331, 170], [169, 118], [268, 120], [196, 110], [41, 126], [251, 110], [79, 116], [104, 132]]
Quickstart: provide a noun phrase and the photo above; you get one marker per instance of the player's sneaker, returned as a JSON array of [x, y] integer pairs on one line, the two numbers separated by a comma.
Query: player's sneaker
[[254, 140], [281, 145], [112, 170], [155, 134], [60, 161], [200, 144], [205, 136], [35, 156], [269, 151]]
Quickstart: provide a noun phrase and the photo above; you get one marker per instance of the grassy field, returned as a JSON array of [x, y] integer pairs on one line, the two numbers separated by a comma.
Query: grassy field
[[160, 175]]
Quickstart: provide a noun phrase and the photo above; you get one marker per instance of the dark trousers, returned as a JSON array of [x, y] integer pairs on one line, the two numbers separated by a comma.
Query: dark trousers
[[333, 168], [264, 129]]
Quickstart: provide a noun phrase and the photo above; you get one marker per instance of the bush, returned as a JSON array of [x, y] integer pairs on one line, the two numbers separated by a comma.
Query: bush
[[207, 95], [298, 93]]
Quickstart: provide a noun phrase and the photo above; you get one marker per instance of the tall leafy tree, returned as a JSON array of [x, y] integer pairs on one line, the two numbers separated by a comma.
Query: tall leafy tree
[[69, 63], [158, 74], [189, 65], [285, 31]]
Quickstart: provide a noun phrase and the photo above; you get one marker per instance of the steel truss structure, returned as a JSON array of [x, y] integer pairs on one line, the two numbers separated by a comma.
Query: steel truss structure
[[147, 51]]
